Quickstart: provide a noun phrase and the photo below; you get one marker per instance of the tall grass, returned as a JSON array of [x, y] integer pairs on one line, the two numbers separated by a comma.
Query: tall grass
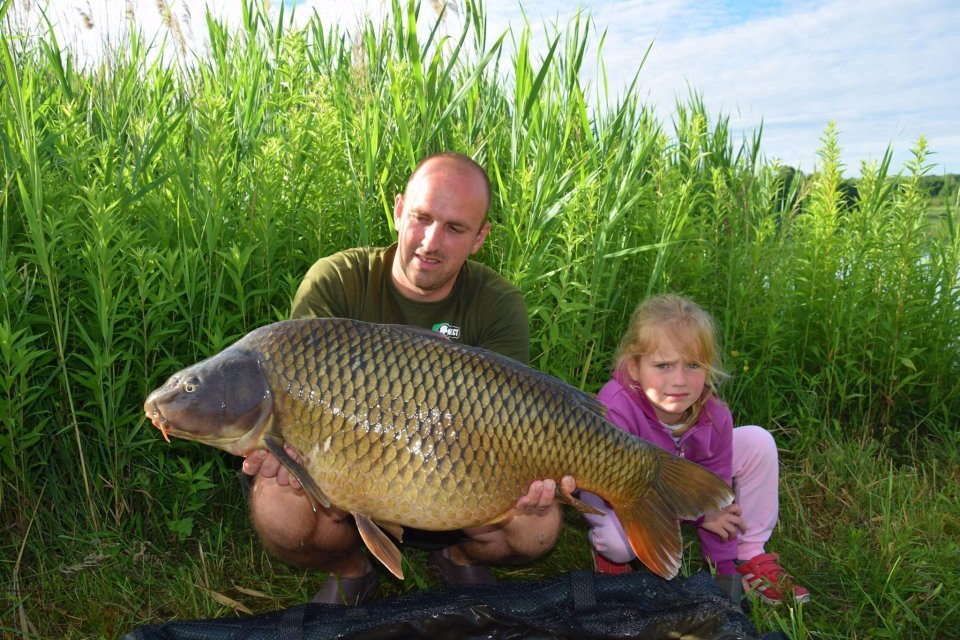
[[154, 212]]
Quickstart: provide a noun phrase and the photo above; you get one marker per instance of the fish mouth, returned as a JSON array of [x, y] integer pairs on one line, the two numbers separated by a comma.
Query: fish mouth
[[158, 419], [228, 443], [162, 422]]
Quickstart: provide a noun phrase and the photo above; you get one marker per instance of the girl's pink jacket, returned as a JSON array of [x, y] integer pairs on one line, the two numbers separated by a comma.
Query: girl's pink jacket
[[708, 443]]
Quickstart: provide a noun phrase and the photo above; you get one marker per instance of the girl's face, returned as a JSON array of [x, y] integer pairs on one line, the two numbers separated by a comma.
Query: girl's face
[[670, 381]]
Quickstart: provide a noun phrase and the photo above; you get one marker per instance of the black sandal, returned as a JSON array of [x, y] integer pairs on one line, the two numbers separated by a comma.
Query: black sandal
[[341, 591], [447, 572]]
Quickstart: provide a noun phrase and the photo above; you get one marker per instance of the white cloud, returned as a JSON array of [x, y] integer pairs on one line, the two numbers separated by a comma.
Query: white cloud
[[877, 68]]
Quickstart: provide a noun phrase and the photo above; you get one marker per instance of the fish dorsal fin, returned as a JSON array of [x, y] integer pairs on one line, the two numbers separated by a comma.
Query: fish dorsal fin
[[274, 445], [378, 543], [590, 402]]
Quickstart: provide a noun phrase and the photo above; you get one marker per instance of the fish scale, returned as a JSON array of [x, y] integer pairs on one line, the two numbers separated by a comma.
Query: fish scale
[[411, 421], [404, 428]]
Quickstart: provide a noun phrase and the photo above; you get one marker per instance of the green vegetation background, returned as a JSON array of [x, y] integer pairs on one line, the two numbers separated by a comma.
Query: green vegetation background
[[153, 213]]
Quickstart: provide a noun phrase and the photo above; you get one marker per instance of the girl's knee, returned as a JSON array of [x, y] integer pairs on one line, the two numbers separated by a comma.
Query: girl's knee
[[754, 454], [611, 546], [754, 438]]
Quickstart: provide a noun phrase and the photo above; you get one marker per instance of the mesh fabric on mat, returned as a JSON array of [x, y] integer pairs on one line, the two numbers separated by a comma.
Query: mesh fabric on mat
[[578, 604]]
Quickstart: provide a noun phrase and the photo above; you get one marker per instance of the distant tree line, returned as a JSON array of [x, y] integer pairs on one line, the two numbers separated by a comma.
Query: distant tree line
[[942, 189]]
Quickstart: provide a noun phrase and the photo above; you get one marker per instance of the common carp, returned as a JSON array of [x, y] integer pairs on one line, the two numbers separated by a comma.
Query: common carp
[[403, 428]]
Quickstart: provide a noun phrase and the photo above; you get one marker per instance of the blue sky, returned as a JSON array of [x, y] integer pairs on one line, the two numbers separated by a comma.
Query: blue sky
[[884, 71]]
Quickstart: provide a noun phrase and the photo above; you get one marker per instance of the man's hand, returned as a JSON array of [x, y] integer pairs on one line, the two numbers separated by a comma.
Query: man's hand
[[542, 494], [266, 465], [726, 522]]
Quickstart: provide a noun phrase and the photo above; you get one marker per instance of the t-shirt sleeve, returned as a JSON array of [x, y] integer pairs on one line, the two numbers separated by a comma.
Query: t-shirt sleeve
[[322, 292]]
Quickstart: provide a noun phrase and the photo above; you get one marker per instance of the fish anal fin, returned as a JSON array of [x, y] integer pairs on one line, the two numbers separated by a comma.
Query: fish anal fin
[[394, 530], [568, 498], [275, 446], [378, 543], [563, 496], [500, 519]]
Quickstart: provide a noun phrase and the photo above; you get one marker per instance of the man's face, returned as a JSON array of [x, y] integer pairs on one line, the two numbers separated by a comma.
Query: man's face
[[440, 223]]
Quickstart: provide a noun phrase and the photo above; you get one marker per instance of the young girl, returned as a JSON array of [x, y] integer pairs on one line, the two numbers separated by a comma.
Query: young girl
[[664, 390]]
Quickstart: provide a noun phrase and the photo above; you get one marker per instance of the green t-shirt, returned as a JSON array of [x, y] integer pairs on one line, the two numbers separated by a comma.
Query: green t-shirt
[[483, 310]]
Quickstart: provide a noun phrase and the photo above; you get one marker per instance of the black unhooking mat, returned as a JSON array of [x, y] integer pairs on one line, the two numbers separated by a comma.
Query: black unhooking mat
[[576, 605]]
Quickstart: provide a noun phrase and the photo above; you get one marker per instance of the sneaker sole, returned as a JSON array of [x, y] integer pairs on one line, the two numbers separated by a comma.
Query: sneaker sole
[[757, 594]]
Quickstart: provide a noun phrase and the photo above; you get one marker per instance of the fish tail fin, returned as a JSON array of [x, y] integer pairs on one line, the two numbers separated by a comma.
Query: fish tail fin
[[691, 489], [654, 534], [681, 490]]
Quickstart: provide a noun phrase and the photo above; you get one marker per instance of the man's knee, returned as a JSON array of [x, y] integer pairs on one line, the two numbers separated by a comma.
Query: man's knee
[[547, 533], [530, 537], [280, 519], [291, 530]]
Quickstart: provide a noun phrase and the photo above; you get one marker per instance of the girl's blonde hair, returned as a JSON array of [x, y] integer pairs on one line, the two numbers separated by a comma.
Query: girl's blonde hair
[[690, 328]]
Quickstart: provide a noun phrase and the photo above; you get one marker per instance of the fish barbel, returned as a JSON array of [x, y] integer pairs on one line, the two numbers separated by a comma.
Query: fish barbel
[[403, 428]]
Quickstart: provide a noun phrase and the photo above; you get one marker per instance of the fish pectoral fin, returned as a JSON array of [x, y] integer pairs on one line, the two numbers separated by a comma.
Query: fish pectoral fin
[[378, 543], [568, 498], [275, 446]]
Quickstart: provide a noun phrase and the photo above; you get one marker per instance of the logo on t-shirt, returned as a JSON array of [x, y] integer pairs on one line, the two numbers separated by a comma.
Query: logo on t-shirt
[[448, 330]]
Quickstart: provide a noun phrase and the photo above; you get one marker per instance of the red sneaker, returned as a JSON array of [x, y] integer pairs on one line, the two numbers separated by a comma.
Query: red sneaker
[[602, 565], [763, 576]]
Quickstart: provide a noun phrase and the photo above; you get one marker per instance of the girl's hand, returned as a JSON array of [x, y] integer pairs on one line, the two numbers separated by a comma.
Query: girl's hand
[[725, 523]]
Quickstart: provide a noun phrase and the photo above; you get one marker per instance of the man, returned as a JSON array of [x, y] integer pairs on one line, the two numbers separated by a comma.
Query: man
[[425, 280]]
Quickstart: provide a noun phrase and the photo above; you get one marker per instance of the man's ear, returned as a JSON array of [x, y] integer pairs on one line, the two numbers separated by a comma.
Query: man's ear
[[397, 209], [481, 237]]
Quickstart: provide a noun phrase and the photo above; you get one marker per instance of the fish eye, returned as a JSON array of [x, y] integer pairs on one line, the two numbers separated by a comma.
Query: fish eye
[[190, 386]]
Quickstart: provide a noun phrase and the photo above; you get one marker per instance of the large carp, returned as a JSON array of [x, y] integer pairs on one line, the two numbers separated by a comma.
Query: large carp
[[403, 428]]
